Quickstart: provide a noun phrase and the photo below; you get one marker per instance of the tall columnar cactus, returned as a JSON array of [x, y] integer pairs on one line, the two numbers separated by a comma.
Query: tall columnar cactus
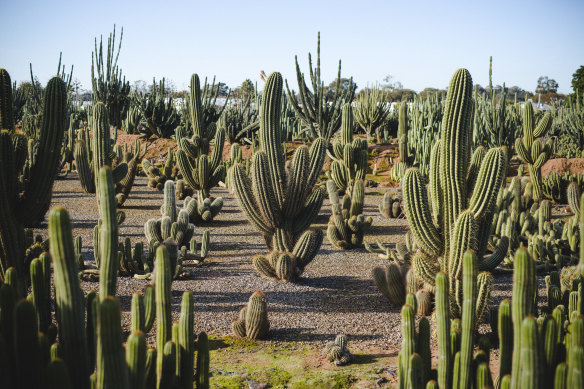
[[319, 111], [106, 78], [69, 299], [350, 153], [455, 218], [531, 148], [162, 284], [405, 159], [112, 371], [347, 224], [108, 235], [25, 203], [371, 111], [200, 170], [281, 204], [252, 322]]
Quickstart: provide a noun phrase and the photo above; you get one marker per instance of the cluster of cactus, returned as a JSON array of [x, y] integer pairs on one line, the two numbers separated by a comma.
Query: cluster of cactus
[[531, 149], [372, 111], [160, 114], [107, 83], [158, 176], [281, 205], [69, 145], [236, 157], [319, 111], [390, 207], [175, 223], [337, 351], [568, 124], [91, 155], [462, 191], [131, 124], [350, 163], [239, 121], [200, 171], [252, 322], [347, 224], [27, 174], [495, 123], [423, 130], [555, 186]]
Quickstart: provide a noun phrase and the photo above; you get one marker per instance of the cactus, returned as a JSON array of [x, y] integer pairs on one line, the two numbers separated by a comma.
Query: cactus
[[112, 371], [390, 207], [391, 283], [350, 163], [532, 150], [186, 342], [347, 224], [69, 298], [202, 373], [201, 171], [371, 111], [282, 206], [337, 351], [107, 83], [136, 360], [160, 113], [402, 135], [25, 203], [169, 171], [320, 112], [253, 318], [454, 219]]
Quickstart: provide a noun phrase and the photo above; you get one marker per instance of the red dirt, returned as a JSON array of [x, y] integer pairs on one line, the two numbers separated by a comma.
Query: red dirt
[[563, 165]]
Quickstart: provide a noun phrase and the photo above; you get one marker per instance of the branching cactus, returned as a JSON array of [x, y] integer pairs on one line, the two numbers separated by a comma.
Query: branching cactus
[[454, 218], [347, 224], [174, 224], [281, 204], [157, 177], [531, 148], [351, 155], [252, 322], [201, 171], [24, 203]]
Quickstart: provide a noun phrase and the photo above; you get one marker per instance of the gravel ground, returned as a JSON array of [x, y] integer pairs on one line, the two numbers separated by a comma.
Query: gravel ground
[[335, 294]]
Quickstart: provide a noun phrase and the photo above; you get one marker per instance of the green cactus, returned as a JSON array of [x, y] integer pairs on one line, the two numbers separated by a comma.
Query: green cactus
[[282, 206], [69, 298], [318, 111], [347, 224], [454, 218], [372, 111], [253, 318], [350, 162], [390, 207], [136, 360], [532, 150], [202, 373], [112, 371], [337, 351], [159, 111], [391, 283], [186, 342], [162, 287], [24, 203]]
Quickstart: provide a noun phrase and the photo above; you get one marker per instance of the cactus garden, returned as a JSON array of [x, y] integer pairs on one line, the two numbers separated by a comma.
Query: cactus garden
[[288, 234]]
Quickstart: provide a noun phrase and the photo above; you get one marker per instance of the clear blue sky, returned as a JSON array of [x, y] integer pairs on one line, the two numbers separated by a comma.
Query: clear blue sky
[[420, 43]]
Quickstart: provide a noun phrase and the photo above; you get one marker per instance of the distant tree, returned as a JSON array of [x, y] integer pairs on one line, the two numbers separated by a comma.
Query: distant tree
[[140, 86], [546, 85], [427, 92], [401, 94], [390, 85], [578, 80], [223, 89], [247, 90], [345, 85]]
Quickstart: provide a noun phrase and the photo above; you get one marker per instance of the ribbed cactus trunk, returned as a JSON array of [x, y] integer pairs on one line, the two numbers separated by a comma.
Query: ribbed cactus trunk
[[402, 132], [108, 240], [455, 150]]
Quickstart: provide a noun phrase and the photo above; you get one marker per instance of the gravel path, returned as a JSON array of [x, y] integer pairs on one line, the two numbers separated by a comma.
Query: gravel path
[[335, 294]]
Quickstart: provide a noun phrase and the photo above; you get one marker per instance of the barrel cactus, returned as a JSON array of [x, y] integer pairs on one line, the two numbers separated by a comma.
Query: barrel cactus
[[337, 351], [252, 322]]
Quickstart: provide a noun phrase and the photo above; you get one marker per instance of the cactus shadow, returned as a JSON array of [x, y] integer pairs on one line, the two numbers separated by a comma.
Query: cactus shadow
[[363, 359]]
